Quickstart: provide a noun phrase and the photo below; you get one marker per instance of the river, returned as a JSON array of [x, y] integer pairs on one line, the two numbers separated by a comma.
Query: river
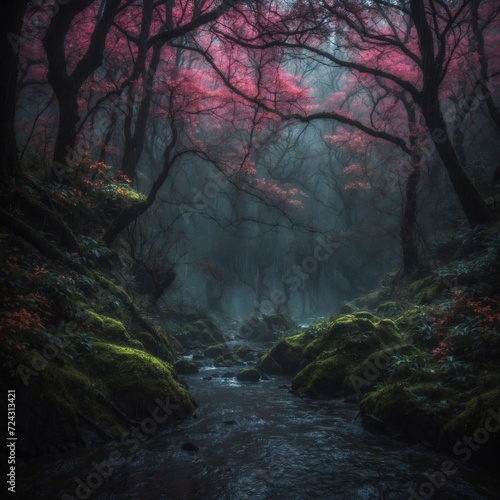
[[258, 441]]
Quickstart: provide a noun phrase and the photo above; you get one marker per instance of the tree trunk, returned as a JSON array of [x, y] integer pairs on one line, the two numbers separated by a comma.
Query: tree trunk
[[66, 86], [433, 61], [475, 208], [11, 25], [409, 222]]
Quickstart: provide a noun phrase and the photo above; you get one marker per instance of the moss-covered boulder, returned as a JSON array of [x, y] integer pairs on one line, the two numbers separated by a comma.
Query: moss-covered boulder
[[285, 357], [328, 352], [214, 351], [64, 404], [227, 359], [417, 412], [139, 381], [249, 375], [332, 358], [474, 432], [185, 367], [266, 328], [107, 328], [373, 370], [199, 333]]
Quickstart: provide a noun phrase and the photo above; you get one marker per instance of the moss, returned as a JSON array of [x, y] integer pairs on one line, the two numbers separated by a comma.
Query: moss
[[365, 315], [139, 381], [329, 360], [202, 332], [244, 350], [267, 364], [489, 381], [266, 328], [373, 370], [164, 348], [416, 412], [343, 341], [373, 299], [476, 421], [322, 378], [214, 350], [418, 286], [184, 367], [433, 293], [347, 308], [285, 357], [388, 331], [107, 328], [249, 375], [227, 359]]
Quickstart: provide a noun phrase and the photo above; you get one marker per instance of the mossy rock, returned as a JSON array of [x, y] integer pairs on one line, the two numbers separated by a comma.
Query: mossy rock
[[107, 328], [372, 370], [405, 411], [185, 367], [325, 354], [214, 351], [373, 299], [69, 405], [420, 285], [227, 359], [267, 364], [323, 378], [164, 348], [249, 375], [266, 328], [433, 292], [135, 380], [479, 421], [244, 350], [202, 332], [285, 357], [347, 308]]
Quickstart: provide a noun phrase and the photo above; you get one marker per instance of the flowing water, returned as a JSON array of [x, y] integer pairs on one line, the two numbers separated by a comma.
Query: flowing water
[[257, 441]]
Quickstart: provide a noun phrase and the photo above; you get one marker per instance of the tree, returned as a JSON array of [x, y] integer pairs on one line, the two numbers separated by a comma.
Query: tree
[[11, 24], [406, 45]]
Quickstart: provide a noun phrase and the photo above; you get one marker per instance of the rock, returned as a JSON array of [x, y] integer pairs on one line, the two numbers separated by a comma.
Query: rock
[[230, 422], [185, 367], [250, 356], [249, 375], [264, 377], [190, 447], [266, 328], [284, 386], [200, 332], [229, 375], [214, 351], [208, 377]]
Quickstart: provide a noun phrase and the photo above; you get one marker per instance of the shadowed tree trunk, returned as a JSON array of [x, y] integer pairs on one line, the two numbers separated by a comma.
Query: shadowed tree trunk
[[65, 85], [11, 24]]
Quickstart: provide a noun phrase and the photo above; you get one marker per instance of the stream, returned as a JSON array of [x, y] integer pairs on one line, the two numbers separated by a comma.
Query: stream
[[257, 441]]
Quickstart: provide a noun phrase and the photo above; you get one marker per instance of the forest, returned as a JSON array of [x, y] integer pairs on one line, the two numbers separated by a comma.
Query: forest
[[250, 249]]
